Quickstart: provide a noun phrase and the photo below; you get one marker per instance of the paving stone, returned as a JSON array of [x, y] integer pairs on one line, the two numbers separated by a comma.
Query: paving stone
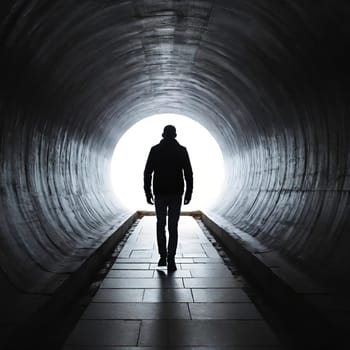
[[211, 282], [130, 274], [206, 333], [208, 260], [162, 273], [210, 273], [155, 333], [194, 255], [228, 311], [143, 243], [216, 295], [118, 295], [184, 260], [102, 332], [192, 247], [205, 267], [167, 295], [142, 283], [120, 260], [136, 311], [141, 254], [155, 266], [131, 266]]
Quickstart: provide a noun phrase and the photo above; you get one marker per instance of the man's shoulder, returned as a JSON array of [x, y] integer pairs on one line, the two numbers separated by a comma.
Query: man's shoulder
[[182, 148], [179, 146], [163, 146], [155, 147]]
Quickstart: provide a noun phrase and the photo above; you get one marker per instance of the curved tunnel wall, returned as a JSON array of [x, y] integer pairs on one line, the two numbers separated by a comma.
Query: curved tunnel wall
[[268, 79]]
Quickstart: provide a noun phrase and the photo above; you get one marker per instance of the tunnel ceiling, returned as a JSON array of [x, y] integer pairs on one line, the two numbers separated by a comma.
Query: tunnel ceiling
[[269, 79], [230, 66]]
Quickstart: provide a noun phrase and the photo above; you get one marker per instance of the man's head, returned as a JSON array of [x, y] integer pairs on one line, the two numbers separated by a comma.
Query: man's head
[[169, 132]]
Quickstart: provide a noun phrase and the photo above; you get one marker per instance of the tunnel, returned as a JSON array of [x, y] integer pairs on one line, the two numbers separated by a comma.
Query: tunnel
[[268, 79]]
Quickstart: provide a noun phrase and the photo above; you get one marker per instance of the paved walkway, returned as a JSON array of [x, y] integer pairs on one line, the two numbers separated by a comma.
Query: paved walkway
[[200, 306]]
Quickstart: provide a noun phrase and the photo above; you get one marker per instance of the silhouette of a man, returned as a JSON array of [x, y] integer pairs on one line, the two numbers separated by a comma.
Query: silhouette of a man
[[170, 164]]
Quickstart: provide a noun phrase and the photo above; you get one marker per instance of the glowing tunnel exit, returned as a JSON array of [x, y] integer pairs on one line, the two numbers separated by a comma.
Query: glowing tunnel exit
[[131, 152]]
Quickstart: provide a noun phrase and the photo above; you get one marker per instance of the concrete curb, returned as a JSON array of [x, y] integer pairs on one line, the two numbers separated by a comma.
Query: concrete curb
[[283, 283], [31, 329]]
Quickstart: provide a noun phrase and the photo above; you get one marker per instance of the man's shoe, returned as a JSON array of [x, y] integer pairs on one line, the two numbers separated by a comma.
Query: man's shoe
[[162, 261], [171, 265]]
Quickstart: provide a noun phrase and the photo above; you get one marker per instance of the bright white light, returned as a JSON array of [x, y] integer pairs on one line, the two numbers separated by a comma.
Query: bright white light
[[132, 150]]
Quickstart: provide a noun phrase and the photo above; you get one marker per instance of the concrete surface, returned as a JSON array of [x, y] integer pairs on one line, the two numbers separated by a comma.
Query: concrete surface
[[201, 304]]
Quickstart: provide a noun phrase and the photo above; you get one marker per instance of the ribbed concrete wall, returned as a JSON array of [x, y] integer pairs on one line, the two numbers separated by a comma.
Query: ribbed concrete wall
[[269, 79]]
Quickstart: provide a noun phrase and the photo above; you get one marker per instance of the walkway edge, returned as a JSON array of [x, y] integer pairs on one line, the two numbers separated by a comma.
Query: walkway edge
[[279, 280], [31, 329]]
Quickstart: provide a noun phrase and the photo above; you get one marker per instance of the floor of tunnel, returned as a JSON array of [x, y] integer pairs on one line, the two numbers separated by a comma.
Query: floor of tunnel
[[206, 303]]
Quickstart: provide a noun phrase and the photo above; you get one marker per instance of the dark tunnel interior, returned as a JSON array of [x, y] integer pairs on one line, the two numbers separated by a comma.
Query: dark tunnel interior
[[269, 79]]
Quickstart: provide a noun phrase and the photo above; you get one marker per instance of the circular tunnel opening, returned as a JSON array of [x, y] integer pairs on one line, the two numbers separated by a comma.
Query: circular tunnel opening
[[131, 151]]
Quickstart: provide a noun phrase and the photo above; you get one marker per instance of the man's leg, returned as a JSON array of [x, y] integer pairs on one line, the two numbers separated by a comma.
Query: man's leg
[[173, 219], [161, 211]]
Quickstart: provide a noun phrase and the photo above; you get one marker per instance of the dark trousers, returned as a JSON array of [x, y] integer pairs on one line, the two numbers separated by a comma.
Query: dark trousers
[[171, 205]]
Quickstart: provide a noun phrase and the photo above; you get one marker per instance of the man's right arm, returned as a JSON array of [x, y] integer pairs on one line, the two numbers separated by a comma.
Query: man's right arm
[[147, 178]]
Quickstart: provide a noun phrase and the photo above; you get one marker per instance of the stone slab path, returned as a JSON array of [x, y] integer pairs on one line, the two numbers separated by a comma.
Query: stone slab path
[[200, 306]]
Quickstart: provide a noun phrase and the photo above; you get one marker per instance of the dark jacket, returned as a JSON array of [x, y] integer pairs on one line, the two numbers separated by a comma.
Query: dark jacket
[[169, 162]]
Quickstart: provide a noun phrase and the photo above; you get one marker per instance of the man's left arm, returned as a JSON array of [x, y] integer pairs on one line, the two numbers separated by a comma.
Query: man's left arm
[[188, 178]]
